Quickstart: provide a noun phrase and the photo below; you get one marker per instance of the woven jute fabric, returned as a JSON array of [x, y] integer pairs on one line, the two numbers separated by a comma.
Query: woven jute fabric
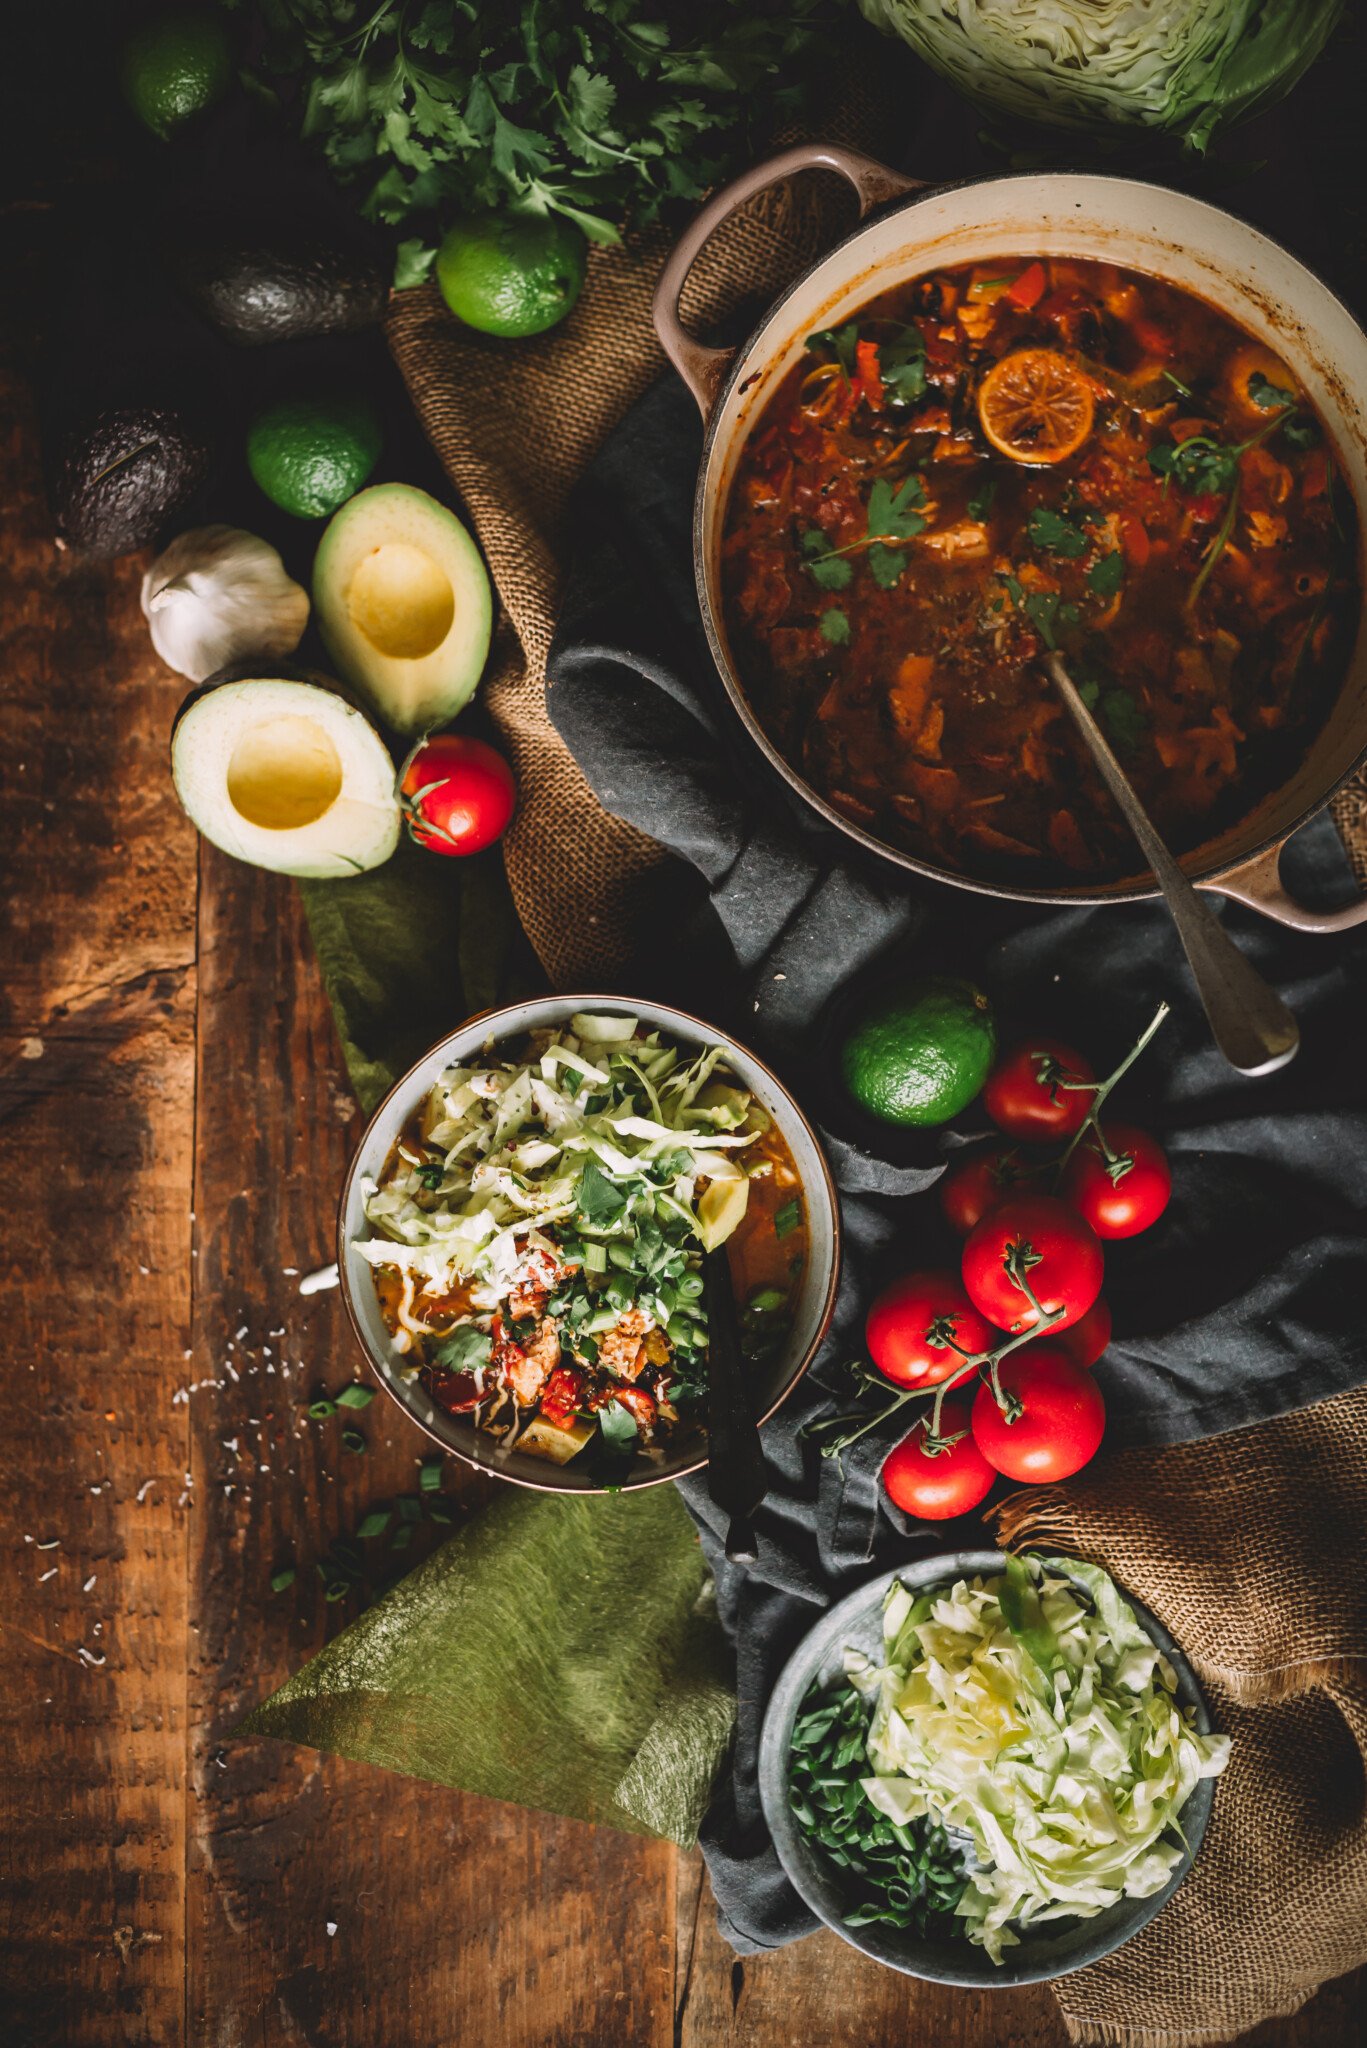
[[1248, 1546]]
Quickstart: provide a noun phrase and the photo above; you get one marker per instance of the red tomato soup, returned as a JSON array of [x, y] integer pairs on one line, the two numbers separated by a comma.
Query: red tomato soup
[[998, 460]]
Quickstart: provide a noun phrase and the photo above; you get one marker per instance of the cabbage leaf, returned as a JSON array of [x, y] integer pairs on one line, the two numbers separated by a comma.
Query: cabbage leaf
[[1190, 67]]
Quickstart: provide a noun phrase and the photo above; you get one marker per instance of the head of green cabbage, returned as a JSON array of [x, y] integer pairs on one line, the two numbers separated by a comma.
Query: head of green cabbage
[[1187, 67]]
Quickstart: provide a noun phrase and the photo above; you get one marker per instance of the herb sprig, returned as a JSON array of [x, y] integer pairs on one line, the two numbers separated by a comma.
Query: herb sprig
[[602, 113]]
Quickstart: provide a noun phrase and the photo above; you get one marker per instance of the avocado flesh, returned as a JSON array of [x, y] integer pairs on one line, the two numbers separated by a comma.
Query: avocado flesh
[[287, 775], [403, 603], [123, 473]]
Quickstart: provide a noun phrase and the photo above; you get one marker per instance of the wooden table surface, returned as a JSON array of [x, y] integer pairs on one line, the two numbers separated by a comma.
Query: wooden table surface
[[174, 1122]]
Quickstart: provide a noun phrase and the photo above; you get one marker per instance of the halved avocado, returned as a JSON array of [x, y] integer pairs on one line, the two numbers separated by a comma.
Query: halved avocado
[[280, 770], [403, 604]]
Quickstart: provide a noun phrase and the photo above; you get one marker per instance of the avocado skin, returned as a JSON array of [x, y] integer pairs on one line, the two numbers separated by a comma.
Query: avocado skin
[[260, 283], [123, 472]]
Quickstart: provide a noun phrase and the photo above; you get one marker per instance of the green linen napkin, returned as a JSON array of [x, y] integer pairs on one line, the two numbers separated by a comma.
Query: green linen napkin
[[560, 1651]]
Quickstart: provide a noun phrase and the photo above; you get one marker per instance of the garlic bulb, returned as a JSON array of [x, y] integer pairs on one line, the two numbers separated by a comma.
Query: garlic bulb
[[217, 595]]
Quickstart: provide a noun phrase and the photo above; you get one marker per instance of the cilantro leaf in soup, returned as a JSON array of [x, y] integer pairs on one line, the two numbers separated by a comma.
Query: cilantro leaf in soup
[[841, 341], [1123, 718], [1056, 534], [886, 565], [894, 514], [835, 627], [827, 569], [600, 1199], [902, 366], [464, 1350], [1200, 466], [1268, 395], [1107, 574], [980, 499]]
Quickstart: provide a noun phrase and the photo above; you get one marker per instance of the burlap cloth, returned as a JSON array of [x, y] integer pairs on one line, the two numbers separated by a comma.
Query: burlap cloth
[[1248, 1546]]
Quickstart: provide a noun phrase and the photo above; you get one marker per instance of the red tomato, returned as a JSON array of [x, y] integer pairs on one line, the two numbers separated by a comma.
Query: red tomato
[[1126, 1196], [562, 1395], [1060, 1417], [914, 1325], [1086, 1339], [1028, 1095], [868, 375], [1053, 1246], [638, 1402], [1028, 289], [1135, 536], [950, 1483], [977, 1180], [458, 794]]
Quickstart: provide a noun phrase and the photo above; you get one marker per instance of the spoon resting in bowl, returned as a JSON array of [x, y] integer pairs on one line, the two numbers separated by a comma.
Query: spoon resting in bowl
[[1248, 1019]]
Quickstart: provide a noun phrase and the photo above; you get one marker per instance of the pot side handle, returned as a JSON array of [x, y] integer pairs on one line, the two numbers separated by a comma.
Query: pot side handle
[[1258, 885], [703, 368]]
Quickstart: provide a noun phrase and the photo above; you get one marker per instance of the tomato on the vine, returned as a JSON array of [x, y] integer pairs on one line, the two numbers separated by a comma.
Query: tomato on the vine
[[1038, 1090], [979, 1178], [949, 1482], [1127, 1193], [1086, 1339], [919, 1328], [1058, 1416], [1038, 1242], [458, 794]]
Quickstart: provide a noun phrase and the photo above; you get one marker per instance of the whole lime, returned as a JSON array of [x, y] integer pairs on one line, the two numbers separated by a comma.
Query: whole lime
[[511, 274], [309, 455], [920, 1052], [175, 66]]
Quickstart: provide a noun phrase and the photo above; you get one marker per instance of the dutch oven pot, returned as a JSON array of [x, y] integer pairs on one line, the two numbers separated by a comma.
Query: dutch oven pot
[[906, 229]]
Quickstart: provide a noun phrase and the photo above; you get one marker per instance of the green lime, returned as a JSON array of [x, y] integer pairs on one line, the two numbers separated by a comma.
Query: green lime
[[511, 274], [309, 455], [920, 1053], [175, 66]]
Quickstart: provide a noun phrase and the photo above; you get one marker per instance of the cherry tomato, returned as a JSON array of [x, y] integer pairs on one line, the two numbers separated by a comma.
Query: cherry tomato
[[1025, 1094], [914, 1326], [1060, 1417], [950, 1483], [1126, 1196], [1086, 1339], [1049, 1244], [458, 794], [562, 1395], [977, 1180]]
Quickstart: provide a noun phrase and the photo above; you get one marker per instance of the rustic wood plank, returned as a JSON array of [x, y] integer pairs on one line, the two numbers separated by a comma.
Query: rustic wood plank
[[96, 1126], [455, 1917]]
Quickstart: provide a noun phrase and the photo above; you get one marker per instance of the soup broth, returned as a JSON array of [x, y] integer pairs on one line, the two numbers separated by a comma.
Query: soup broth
[[1001, 459]]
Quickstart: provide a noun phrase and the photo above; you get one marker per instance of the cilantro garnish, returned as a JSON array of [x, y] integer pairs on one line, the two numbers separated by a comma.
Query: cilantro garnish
[[1058, 535], [893, 513], [465, 1349], [835, 627], [1107, 574], [1201, 466], [599, 113], [600, 1199], [1267, 395], [841, 341], [825, 564], [980, 499], [902, 366]]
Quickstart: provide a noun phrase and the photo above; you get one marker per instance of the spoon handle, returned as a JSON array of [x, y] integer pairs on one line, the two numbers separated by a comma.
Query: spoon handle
[[1248, 1019], [737, 1478]]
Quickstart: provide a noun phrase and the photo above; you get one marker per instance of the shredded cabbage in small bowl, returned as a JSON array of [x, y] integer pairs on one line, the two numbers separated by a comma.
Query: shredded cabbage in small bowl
[[1031, 1715]]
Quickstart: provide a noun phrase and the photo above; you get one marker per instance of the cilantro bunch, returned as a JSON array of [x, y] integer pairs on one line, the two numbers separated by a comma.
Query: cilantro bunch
[[601, 110]]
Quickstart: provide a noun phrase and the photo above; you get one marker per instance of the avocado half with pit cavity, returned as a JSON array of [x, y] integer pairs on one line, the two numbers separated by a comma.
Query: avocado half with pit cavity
[[402, 600], [279, 769]]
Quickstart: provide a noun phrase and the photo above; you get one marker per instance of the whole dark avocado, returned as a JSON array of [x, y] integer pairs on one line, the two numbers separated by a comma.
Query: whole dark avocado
[[120, 474], [258, 281]]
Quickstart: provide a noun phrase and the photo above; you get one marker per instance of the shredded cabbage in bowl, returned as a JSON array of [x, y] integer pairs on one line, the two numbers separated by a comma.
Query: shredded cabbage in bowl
[[1031, 1715], [1192, 66]]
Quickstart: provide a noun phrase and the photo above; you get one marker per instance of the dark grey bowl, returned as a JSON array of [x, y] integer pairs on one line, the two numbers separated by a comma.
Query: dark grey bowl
[[1053, 1951]]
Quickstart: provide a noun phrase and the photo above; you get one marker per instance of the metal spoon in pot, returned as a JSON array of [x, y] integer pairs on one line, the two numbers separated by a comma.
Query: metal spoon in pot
[[1248, 1019]]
